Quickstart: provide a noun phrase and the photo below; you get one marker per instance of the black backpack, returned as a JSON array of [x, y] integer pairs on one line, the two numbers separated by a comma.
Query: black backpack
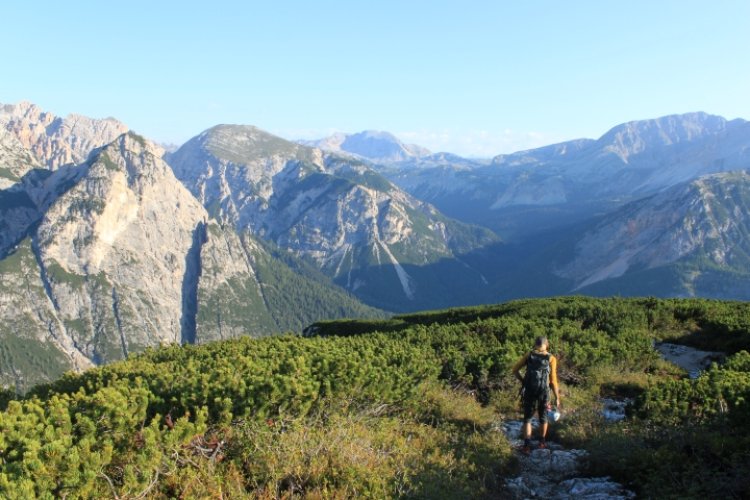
[[536, 379]]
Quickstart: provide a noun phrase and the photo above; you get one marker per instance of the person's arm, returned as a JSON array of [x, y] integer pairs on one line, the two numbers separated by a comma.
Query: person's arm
[[520, 364], [553, 380]]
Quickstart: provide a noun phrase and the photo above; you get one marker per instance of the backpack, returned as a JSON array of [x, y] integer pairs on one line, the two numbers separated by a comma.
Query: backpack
[[536, 379]]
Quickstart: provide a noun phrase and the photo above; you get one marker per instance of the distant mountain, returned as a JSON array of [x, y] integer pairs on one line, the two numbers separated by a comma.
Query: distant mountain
[[376, 146], [632, 159], [54, 140], [689, 240], [361, 230], [15, 160], [563, 183], [116, 255]]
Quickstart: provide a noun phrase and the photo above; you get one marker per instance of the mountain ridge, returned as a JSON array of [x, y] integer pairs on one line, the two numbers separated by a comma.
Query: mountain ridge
[[570, 180], [374, 145], [117, 255], [336, 210], [57, 140], [702, 224]]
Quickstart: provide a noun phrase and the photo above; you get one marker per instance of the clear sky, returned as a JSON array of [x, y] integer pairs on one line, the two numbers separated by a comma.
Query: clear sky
[[472, 77]]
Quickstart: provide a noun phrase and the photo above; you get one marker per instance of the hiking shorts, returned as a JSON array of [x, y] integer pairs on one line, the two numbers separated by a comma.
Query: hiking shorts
[[538, 403]]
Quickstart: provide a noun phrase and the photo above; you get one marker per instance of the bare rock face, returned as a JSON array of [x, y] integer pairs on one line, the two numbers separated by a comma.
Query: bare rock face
[[563, 184], [707, 216], [33, 338], [57, 141], [115, 244], [121, 257], [230, 300], [105, 258]]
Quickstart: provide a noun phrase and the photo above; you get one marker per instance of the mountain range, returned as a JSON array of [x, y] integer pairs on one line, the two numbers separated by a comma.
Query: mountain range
[[110, 244], [113, 255], [536, 190], [362, 231]]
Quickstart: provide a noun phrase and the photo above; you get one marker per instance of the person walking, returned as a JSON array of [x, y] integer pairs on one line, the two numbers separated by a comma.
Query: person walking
[[539, 376]]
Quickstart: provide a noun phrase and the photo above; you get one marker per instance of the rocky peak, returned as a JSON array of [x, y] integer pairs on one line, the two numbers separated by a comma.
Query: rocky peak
[[245, 143], [133, 155], [240, 154], [635, 137], [374, 145], [378, 145], [57, 141], [105, 258], [124, 188]]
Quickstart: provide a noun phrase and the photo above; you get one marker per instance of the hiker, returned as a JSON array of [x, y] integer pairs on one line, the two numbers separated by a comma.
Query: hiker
[[540, 374]]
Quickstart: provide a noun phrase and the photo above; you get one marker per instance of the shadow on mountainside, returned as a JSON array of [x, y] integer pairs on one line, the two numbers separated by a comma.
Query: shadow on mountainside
[[495, 273]]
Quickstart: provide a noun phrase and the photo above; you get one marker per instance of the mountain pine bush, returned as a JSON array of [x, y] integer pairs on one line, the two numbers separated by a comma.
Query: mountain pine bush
[[401, 407]]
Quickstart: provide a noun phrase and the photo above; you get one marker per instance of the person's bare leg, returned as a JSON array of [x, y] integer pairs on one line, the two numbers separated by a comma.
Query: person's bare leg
[[527, 430], [542, 431]]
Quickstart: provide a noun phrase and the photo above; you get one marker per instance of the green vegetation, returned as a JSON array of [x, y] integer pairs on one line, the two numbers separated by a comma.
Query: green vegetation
[[360, 174], [24, 361], [7, 173], [236, 303], [105, 160], [689, 438], [288, 295], [404, 407], [137, 138], [59, 275], [297, 294]]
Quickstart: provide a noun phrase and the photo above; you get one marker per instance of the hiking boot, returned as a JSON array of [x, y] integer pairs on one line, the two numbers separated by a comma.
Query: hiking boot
[[526, 450], [542, 445]]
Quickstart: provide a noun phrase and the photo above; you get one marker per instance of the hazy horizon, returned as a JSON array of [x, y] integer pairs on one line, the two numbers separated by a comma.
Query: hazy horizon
[[475, 80]]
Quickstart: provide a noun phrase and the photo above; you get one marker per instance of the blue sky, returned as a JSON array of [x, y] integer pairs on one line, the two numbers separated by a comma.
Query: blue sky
[[472, 77]]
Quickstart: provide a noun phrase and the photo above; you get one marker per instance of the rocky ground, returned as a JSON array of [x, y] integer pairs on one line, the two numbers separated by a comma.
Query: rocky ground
[[689, 359], [554, 473]]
